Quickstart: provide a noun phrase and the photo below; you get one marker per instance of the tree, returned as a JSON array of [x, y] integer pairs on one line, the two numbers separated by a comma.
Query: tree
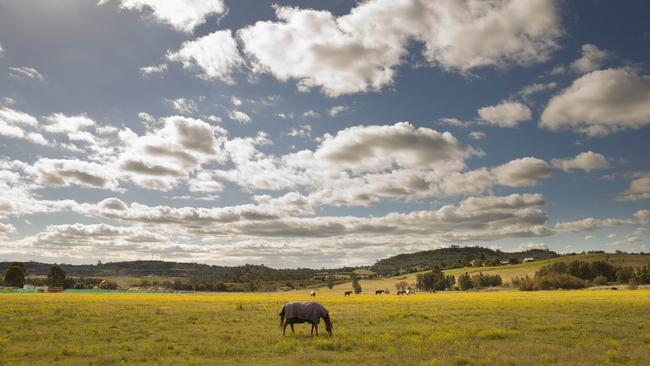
[[602, 268], [55, 276], [330, 281], [433, 280], [107, 285], [450, 281], [15, 275], [487, 280], [401, 285], [355, 285], [424, 281], [464, 282], [21, 265]]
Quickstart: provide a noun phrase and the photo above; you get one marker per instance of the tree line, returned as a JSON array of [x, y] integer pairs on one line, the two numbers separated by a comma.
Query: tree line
[[580, 274], [436, 280], [16, 276]]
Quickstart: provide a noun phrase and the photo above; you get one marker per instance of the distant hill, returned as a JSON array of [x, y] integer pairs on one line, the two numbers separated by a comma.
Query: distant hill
[[234, 274], [451, 258], [404, 263]]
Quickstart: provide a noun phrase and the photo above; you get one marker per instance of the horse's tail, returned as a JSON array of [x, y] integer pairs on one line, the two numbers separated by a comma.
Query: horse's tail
[[281, 313]]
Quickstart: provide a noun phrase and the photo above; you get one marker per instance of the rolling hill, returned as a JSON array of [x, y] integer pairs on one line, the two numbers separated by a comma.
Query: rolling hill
[[450, 258], [507, 272]]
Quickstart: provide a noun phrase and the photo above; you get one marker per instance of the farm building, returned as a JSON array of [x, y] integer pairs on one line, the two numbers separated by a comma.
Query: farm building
[[525, 260], [28, 287]]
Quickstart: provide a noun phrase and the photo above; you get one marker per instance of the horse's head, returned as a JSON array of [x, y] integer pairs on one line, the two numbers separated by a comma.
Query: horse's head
[[328, 325]]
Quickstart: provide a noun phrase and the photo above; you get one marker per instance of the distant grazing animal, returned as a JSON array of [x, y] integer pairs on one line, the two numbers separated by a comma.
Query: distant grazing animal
[[379, 292], [348, 293], [312, 293], [401, 292], [614, 288], [304, 312]]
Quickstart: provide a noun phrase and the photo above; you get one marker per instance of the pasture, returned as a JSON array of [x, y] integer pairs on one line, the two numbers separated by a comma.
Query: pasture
[[454, 328]]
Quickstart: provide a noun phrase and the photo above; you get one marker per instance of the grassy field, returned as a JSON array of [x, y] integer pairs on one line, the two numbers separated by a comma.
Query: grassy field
[[477, 328], [507, 272]]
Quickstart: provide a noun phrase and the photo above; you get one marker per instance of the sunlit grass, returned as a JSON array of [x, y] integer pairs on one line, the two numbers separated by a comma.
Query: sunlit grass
[[518, 328]]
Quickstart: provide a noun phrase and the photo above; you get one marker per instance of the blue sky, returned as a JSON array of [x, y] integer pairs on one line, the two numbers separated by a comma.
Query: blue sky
[[314, 134]]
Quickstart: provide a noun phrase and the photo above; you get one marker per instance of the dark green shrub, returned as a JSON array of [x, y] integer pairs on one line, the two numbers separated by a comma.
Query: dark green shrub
[[557, 281], [524, 283], [600, 281]]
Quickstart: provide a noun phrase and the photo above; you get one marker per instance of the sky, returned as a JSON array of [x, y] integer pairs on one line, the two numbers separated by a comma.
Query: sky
[[321, 133]]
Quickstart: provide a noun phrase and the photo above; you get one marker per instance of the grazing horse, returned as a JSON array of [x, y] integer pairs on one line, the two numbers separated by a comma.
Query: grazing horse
[[348, 293], [401, 292], [304, 312], [312, 293], [379, 292]]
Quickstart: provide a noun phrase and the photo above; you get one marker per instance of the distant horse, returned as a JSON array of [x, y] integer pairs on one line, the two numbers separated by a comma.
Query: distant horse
[[379, 292], [312, 293], [348, 293], [401, 292], [304, 312]]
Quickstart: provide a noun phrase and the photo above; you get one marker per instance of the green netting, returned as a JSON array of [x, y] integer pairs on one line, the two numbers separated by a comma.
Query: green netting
[[22, 290], [78, 291], [121, 291]]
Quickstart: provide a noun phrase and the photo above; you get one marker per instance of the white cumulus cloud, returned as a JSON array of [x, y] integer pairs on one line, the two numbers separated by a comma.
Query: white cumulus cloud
[[592, 59], [639, 189], [215, 56], [505, 114], [359, 51], [182, 15], [586, 161], [601, 102]]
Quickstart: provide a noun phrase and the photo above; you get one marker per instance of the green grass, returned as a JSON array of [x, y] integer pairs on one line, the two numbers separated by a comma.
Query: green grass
[[479, 328]]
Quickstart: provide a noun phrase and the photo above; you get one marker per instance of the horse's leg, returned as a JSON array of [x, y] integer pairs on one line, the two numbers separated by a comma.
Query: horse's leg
[[312, 329], [316, 327], [285, 327], [292, 330]]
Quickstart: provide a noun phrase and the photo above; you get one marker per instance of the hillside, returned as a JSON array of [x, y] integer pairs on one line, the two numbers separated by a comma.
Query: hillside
[[235, 274], [507, 272], [450, 258], [528, 269]]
